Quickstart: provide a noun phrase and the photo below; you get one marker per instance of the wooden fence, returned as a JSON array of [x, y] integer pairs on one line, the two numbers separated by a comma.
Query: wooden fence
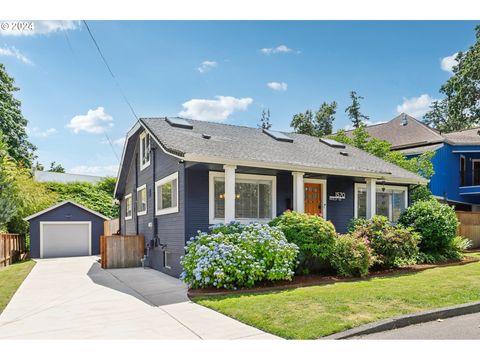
[[118, 251], [469, 226], [12, 247], [111, 227]]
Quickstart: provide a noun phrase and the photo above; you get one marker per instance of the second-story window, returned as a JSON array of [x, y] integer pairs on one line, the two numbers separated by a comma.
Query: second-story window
[[144, 150]]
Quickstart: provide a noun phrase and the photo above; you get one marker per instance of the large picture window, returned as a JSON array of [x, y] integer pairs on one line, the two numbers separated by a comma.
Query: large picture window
[[128, 207], [254, 197], [144, 150], [166, 195], [142, 200], [390, 201]]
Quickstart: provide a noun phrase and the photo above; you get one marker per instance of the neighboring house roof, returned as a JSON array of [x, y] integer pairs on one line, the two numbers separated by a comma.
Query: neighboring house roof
[[464, 137], [63, 203], [403, 131], [217, 143], [49, 176], [420, 149]]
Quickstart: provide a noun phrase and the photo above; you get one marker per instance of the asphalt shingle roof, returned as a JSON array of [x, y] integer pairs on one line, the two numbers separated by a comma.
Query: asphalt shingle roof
[[250, 144], [464, 137]]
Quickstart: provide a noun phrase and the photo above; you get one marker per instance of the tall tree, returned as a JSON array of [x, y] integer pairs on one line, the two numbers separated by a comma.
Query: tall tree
[[460, 108], [54, 167], [265, 120], [317, 124], [354, 112], [324, 118], [8, 190], [12, 123]]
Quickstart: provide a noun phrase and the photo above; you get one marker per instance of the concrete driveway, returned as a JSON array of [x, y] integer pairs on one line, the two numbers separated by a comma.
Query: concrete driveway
[[73, 298]]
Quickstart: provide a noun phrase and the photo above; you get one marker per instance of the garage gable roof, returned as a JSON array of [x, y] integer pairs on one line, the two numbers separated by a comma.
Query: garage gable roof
[[63, 203]]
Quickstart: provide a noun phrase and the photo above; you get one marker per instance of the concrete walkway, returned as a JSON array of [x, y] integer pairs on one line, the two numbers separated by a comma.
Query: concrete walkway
[[73, 298]]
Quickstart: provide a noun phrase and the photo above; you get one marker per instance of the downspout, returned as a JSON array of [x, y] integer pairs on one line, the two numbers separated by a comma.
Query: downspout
[[119, 217], [136, 194]]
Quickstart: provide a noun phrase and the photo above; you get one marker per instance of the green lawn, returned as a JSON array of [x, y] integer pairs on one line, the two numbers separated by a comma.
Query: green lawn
[[312, 312], [11, 278]]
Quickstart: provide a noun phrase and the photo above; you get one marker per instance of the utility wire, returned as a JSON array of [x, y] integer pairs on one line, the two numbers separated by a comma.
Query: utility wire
[[111, 145], [110, 71]]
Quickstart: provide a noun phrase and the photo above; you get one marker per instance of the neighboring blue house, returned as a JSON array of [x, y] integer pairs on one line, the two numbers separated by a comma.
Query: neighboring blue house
[[178, 176], [456, 161]]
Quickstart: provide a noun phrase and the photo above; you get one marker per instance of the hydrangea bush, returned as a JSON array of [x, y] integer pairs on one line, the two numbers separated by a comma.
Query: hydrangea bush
[[234, 255]]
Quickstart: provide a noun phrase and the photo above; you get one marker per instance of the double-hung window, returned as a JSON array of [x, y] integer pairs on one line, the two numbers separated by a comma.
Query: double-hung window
[[166, 195], [142, 200], [128, 207], [390, 201], [144, 150], [254, 197]]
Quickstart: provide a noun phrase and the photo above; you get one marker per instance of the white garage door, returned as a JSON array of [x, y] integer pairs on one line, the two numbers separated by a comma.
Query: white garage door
[[62, 239]]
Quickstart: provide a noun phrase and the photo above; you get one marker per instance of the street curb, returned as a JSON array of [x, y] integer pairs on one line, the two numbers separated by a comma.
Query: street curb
[[406, 320]]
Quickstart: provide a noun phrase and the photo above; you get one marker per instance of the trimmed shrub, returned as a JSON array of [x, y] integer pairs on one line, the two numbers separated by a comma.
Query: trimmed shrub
[[314, 236], [435, 222], [392, 246], [232, 259], [351, 256]]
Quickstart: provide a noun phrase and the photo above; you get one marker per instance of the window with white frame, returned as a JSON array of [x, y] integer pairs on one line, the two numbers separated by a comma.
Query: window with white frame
[[390, 201], [128, 207], [254, 197], [144, 150], [166, 194], [142, 200], [166, 259]]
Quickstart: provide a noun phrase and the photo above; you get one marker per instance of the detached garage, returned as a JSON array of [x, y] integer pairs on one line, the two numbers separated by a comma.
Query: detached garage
[[66, 229]]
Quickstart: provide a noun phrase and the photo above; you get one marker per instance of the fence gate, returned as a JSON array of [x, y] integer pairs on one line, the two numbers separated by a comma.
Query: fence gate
[[469, 226]]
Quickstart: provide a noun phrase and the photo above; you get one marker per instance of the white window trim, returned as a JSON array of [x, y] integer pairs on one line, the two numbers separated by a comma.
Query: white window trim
[[170, 210], [323, 182], [143, 135], [359, 186], [211, 195], [129, 196], [42, 223], [166, 264], [144, 186], [473, 170]]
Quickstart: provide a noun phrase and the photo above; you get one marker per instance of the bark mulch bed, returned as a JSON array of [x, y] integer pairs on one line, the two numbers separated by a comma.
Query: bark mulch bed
[[317, 279]]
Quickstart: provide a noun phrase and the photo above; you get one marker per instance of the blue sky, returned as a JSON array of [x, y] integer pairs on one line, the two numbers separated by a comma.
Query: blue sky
[[219, 70]]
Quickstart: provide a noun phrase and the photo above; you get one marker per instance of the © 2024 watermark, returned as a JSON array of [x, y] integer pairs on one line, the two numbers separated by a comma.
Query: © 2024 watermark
[[17, 26]]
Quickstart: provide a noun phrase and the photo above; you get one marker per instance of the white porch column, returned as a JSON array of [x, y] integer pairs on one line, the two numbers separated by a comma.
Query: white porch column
[[371, 198], [229, 192], [298, 192]]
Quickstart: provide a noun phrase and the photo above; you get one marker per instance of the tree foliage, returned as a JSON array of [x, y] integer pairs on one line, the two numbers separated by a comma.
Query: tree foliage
[[353, 110], [460, 108], [54, 167], [8, 191], [265, 120], [12, 123], [318, 123]]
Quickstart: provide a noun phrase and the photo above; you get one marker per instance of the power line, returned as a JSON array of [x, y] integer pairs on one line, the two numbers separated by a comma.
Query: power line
[[111, 145], [110, 70]]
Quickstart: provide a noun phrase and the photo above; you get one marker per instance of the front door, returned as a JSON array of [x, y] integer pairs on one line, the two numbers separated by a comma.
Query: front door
[[313, 199]]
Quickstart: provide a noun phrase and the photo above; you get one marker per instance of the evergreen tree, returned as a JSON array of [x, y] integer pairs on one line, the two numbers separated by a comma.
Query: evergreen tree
[[353, 110], [54, 167], [317, 124], [265, 120]]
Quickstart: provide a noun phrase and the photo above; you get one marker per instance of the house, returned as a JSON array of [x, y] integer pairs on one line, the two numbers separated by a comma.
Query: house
[[65, 229], [456, 161], [178, 176], [50, 176]]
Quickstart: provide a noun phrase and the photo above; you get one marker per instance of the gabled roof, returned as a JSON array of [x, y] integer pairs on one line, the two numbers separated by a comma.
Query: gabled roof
[[404, 131], [212, 142], [63, 203], [464, 137]]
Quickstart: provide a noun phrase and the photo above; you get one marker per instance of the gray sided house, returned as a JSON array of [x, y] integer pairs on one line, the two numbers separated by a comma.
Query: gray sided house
[[179, 176], [65, 229]]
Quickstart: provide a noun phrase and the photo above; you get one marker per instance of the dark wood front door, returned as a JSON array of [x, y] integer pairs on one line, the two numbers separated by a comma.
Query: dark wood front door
[[313, 199]]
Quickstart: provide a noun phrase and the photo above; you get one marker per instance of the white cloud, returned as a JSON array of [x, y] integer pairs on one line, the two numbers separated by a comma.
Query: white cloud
[[275, 50], [278, 86], [119, 141], [95, 121], [448, 62], [214, 110], [36, 132], [14, 52], [29, 28], [96, 170], [415, 106], [206, 66]]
